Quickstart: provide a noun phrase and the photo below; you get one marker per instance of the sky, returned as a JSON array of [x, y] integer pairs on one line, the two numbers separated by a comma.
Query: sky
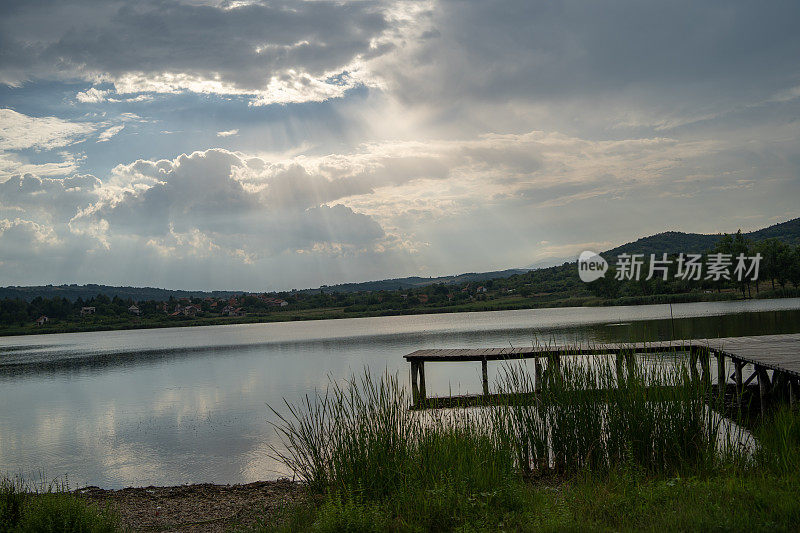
[[245, 145]]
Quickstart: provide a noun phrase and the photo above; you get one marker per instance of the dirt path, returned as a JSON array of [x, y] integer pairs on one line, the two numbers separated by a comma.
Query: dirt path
[[202, 507]]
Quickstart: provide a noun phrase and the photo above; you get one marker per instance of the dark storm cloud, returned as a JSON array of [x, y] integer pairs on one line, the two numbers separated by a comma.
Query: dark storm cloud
[[243, 46]]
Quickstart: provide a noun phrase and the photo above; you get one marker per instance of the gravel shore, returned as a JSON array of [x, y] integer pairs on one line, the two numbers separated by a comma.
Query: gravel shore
[[202, 507]]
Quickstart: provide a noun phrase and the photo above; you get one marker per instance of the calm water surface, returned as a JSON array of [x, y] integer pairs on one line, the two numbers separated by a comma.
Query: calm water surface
[[189, 405]]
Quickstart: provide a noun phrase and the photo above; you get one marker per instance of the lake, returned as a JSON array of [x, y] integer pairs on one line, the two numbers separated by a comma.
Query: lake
[[189, 405]]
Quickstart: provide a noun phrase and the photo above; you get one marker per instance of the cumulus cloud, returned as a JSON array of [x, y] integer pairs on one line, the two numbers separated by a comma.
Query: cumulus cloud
[[227, 133], [229, 199], [50, 201], [24, 239]]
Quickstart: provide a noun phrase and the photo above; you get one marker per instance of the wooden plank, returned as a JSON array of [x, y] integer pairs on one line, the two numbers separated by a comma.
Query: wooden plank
[[775, 352]]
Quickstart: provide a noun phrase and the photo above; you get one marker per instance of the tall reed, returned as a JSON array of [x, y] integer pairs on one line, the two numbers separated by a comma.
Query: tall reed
[[595, 414], [587, 414]]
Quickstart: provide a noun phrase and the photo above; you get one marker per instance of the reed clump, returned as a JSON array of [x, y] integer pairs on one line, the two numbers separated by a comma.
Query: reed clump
[[586, 415], [596, 415]]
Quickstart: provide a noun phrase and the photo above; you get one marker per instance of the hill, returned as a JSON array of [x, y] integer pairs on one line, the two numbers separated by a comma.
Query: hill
[[673, 242], [415, 281]]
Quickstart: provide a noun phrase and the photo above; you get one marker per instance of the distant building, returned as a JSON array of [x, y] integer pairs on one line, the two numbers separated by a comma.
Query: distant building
[[42, 320], [481, 289], [134, 310], [229, 310], [87, 311], [276, 302]]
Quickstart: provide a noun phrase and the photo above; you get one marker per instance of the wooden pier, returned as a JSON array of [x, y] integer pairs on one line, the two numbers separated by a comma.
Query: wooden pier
[[773, 359]]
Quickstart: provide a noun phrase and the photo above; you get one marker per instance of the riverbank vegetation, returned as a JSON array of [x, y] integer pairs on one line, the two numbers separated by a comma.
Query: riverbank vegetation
[[602, 448], [652, 455], [558, 286], [49, 508]]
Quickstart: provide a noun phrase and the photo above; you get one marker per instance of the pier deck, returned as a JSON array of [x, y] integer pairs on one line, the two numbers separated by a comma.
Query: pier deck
[[779, 354]]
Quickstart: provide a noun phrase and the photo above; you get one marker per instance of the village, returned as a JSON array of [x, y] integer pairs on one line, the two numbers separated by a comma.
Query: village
[[207, 307]]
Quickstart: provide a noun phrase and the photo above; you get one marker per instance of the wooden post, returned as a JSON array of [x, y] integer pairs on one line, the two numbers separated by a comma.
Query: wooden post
[[630, 364], [780, 382], [705, 366], [738, 366], [722, 376], [537, 372], [763, 387], [693, 362], [620, 378], [414, 385], [422, 395], [485, 372]]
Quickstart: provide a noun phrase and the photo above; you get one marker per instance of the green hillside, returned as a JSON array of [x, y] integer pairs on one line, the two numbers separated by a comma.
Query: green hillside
[[673, 242]]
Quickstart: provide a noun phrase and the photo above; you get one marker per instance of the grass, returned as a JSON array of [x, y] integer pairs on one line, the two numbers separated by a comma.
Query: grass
[[49, 509], [650, 455]]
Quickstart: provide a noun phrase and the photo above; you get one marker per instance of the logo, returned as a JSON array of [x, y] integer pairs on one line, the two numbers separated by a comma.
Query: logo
[[591, 266]]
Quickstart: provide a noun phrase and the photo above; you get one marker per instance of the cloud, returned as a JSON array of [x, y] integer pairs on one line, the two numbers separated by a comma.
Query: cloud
[[24, 240], [225, 199], [20, 132], [50, 201], [228, 133], [280, 52], [92, 96], [110, 132]]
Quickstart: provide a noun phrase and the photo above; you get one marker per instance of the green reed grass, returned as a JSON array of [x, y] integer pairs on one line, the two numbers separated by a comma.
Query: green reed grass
[[588, 414], [593, 414]]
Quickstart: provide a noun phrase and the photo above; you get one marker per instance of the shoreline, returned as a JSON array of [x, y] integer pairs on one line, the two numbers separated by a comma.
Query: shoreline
[[340, 313], [195, 507]]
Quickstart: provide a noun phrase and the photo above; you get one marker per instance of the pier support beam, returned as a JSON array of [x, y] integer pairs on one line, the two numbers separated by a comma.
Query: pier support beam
[[763, 387], [630, 364], [722, 375], [485, 373], [537, 372], [705, 366], [737, 373], [693, 362], [422, 394], [619, 363], [418, 383]]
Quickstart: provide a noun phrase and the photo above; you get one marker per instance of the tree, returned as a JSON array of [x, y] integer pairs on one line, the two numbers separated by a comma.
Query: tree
[[794, 267], [770, 251]]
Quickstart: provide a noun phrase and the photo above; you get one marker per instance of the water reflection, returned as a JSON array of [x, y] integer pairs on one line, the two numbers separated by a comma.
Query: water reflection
[[189, 404]]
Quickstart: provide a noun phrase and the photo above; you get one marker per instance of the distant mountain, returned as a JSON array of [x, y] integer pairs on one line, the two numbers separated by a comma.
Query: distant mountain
[[673, 242], [416, 281]]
